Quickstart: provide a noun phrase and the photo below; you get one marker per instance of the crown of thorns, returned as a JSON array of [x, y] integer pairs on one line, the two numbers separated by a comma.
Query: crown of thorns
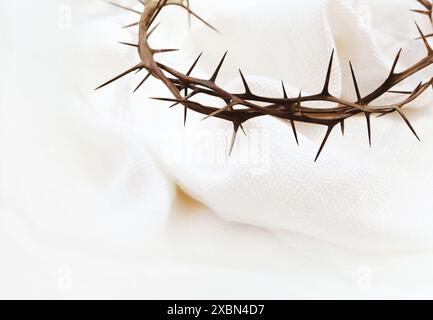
[[240, 107]]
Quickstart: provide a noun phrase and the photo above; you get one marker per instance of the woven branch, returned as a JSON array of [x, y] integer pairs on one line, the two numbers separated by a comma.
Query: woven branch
[[241, 107]]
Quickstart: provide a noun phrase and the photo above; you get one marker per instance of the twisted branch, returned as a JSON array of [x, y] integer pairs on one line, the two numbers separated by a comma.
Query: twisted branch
[[241, 107]]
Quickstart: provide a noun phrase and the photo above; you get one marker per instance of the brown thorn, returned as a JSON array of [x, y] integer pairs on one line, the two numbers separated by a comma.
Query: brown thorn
[[424, 39], [235, 132], [217, 112], [131, 25], [194, 64], [153, 30], [156, 51], [328, 132], [243, 130], [399, 92], [325, 90], [123, 7], [186, 98], [400, 112], [295, 133], [358, 94], [342, 127], [218, 69], [119, 76], [143, 81], [129, 44], [367, 116], [394, 65], [199, 18], [244, 81]]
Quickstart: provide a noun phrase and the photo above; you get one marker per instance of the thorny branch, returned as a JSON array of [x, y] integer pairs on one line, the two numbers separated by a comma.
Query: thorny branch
[[241, 107]]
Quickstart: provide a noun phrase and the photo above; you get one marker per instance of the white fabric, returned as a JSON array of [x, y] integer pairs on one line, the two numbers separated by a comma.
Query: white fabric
[[88, 203]]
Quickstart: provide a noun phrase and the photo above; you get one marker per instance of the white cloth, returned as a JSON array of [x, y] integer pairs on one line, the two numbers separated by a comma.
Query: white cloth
[[89, 206]]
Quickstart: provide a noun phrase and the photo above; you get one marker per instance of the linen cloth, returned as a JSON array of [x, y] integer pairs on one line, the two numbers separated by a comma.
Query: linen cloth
[[97, 187]]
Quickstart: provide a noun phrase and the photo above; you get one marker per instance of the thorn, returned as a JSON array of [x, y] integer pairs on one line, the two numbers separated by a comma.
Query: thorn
[[398, 109], [342, 127], [170, 99], [129, 44], [153, 30], [199, 18], [215, 75], [358, 94], [284, 90], [298, 103], [194, 64], [325, 90], [192, 94], [123, 7], [295, 133], [424, 39], [131, 25], [218, 111], [427, 12], [394, 65], [235, 132], [185, 115], [143, 81], [119, 76], [367, 116], [328, 132], [183, 101], [243, 130], [400, 92], [247, 88], [163, 50]]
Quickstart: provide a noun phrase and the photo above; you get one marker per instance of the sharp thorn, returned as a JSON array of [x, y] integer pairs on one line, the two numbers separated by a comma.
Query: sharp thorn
[[407, 122], [232, 143], [368, 116], [143, 81], [325, 90], [355, 82], [243, 130], [200, 18], [153, 30], [394, 65], [123, 7], [131, 25], [244, 81], [194, 64], [118, 77], [295, 133], [424, 39], [156, 51], [218, 111], [328, 132], [129, 44], [284, 90], [215, 74]]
